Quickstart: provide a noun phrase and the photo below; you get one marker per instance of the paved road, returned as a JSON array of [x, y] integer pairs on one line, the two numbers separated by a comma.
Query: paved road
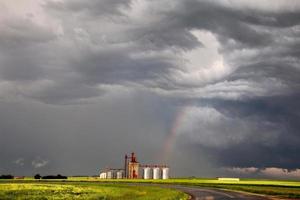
[[215, 194], [198, 193]]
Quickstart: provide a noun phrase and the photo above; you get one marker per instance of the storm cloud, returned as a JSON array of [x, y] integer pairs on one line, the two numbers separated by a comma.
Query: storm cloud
[[81, 83]]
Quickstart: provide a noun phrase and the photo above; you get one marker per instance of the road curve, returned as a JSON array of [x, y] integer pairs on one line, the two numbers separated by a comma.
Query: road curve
[[198, 193]]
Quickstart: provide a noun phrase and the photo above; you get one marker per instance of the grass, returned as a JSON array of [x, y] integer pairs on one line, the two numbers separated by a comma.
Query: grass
[[279, 188], [22, 190], [284, 192], [113, 187]]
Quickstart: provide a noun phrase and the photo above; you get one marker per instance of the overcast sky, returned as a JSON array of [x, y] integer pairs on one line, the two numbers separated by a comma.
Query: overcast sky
[[210, 87]]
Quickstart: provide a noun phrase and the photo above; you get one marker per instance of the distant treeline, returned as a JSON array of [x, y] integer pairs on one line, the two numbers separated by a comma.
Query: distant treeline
[[58, 176], [37, 176], [8, 176]]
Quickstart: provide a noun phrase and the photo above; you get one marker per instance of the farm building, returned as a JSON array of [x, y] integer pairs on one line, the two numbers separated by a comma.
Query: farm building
[[134, 170]]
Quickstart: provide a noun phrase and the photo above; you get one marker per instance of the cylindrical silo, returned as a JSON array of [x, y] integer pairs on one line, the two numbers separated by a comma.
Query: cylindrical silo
[[103, 175], [156, 173], [119, 174], [147, 173], [165, 173], [110, 174]]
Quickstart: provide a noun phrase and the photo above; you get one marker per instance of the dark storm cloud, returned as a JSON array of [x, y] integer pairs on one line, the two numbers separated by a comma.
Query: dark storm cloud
[[19, 33], [228, 23], [93, 8], [113, 67], [274, 116], [235, 66], [66, 93], [19, 39], [283, 71]]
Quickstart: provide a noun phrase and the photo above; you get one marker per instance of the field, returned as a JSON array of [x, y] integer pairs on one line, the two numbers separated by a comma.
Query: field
[[83, 190], [90, 188], [279, 188]]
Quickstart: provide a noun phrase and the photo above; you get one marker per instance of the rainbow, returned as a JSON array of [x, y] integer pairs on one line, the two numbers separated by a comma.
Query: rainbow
[[170, 140]]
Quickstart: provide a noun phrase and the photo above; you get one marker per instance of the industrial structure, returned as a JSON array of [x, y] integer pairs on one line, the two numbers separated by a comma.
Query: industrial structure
[[134, 170]]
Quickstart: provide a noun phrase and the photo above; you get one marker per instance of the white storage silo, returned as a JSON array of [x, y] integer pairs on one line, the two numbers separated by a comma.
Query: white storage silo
[[156, 173], [165, 173], [103, 175], [119, 174], [110, 174], [147, 173]]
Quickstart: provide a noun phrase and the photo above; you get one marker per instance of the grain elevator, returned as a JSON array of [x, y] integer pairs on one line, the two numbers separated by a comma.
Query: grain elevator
[[134, 170]]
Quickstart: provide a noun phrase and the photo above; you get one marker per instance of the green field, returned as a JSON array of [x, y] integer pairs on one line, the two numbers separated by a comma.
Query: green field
[[89, 188], [279, 188], [83, 190]]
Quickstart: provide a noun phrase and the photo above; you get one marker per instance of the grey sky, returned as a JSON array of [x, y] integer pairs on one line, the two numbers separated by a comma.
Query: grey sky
[[83, 82]]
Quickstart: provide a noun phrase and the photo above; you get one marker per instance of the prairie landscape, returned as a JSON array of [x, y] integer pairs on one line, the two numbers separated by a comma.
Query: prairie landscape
[[94, 188], [84, 190], [150, 99]]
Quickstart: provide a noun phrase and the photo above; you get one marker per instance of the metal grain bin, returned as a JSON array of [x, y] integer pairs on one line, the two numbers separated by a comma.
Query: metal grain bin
[[147, 173], [156, 173], [165, 173]]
